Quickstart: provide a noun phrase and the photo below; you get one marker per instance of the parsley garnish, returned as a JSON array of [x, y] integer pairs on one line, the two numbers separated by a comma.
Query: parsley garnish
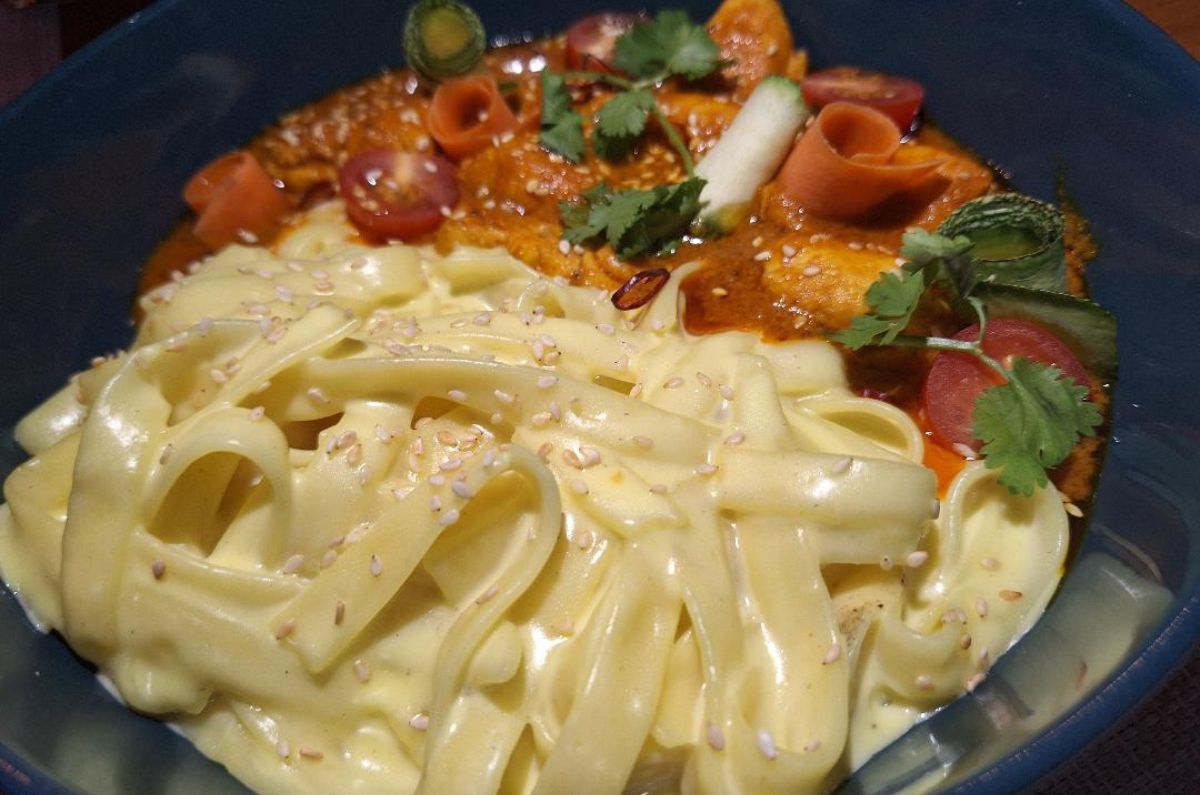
[[670, 45], [634, 222], [562, 127], [1029, 423]]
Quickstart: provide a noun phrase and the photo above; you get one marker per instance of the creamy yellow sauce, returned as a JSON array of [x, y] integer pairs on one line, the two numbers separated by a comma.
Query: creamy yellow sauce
[[380, 520]]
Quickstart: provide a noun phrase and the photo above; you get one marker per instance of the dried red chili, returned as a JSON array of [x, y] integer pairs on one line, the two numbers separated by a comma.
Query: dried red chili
[[640, 289]]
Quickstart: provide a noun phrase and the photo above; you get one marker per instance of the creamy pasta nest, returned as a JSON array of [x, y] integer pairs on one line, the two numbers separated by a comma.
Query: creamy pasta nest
[[377, 520]]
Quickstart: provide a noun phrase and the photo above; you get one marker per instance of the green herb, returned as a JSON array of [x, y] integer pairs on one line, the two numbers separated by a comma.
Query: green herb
[[562, 127], [620, 122], [634, 222], [670, 45], [1029, 423]]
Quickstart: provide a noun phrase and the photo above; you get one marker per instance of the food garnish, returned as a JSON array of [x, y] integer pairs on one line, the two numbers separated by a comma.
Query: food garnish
[[467, 114], [1038, 407], [235, 200], [443, 38]]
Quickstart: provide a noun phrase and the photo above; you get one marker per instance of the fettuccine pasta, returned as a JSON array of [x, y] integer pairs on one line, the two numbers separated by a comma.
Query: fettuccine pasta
[[378, 520]]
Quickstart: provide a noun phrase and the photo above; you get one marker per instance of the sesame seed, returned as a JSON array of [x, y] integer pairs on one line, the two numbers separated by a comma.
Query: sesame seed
[[362, 671], [963, 450], [318, 395], [311, 753], [503, 397], [715, 737], [811, 270], [704, 380], [547, 381], [282, 749], [293, 564], [841, 465], [218, 376], [461, 488], [812, 745], [659, 488], [644, 442], [673, 383], [762, 256], [605, 328], [487, 595], [719, 292], [726, 391], [981, 606], [419, 722], [1010, 596], [757, 241], [339, 613], [158, 568], [789, 251], [974, 681], [1073, 510], [585, 540], [924, 682], [544, 451], [885, 563], [165, 455], [579, 487], [496, 418], [457, 395], [329, 558], [854, 245], [833, 655], [541, 419], [935, 508], [449, 518], [285, 629], [990, 563], [964, 641], [437, 480], [450, 464], [589, 457], [706, 469], [375, 566], [257, 413], [983, 658], [916, 559], [766, 744]]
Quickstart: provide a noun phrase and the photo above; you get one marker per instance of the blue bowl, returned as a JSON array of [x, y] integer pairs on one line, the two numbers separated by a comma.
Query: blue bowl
[[1083, 96]]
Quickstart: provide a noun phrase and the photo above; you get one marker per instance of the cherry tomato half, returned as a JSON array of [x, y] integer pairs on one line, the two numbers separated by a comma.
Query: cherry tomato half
[[397, 195], [955, 380], [898, 97], [592, 40]]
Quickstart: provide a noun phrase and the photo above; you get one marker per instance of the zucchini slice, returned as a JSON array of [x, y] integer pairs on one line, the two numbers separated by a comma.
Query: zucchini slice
[[1017, 240], [443, 38]]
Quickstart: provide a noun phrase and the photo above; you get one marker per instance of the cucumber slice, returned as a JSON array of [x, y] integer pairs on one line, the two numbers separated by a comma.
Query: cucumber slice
[[750, 151], [443, 38], [1018, 240], [1089, 330]]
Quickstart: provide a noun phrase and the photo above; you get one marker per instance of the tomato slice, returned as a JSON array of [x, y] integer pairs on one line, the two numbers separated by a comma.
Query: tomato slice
[[234, 200], [467, 113], [397, 195], [592, 41], [955, 380], [898, 97]]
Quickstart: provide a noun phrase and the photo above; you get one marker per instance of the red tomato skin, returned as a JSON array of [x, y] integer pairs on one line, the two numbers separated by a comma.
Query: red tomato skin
[[955, 380], [591, 41], [424, 187], [898, 97]]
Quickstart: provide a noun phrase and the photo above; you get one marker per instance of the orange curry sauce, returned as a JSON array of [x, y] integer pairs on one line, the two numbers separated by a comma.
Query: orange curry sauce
[[784, 273]]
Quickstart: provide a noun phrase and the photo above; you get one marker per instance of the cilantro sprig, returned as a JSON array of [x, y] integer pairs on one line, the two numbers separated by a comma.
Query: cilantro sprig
[[1028, 424], [633, 222]]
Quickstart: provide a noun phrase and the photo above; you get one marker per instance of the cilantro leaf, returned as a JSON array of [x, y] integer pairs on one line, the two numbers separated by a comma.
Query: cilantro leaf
[[943, 258], [634, 222], [620, 122], [1031, 423], [670, 45], [893, 299], [562, 127]]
